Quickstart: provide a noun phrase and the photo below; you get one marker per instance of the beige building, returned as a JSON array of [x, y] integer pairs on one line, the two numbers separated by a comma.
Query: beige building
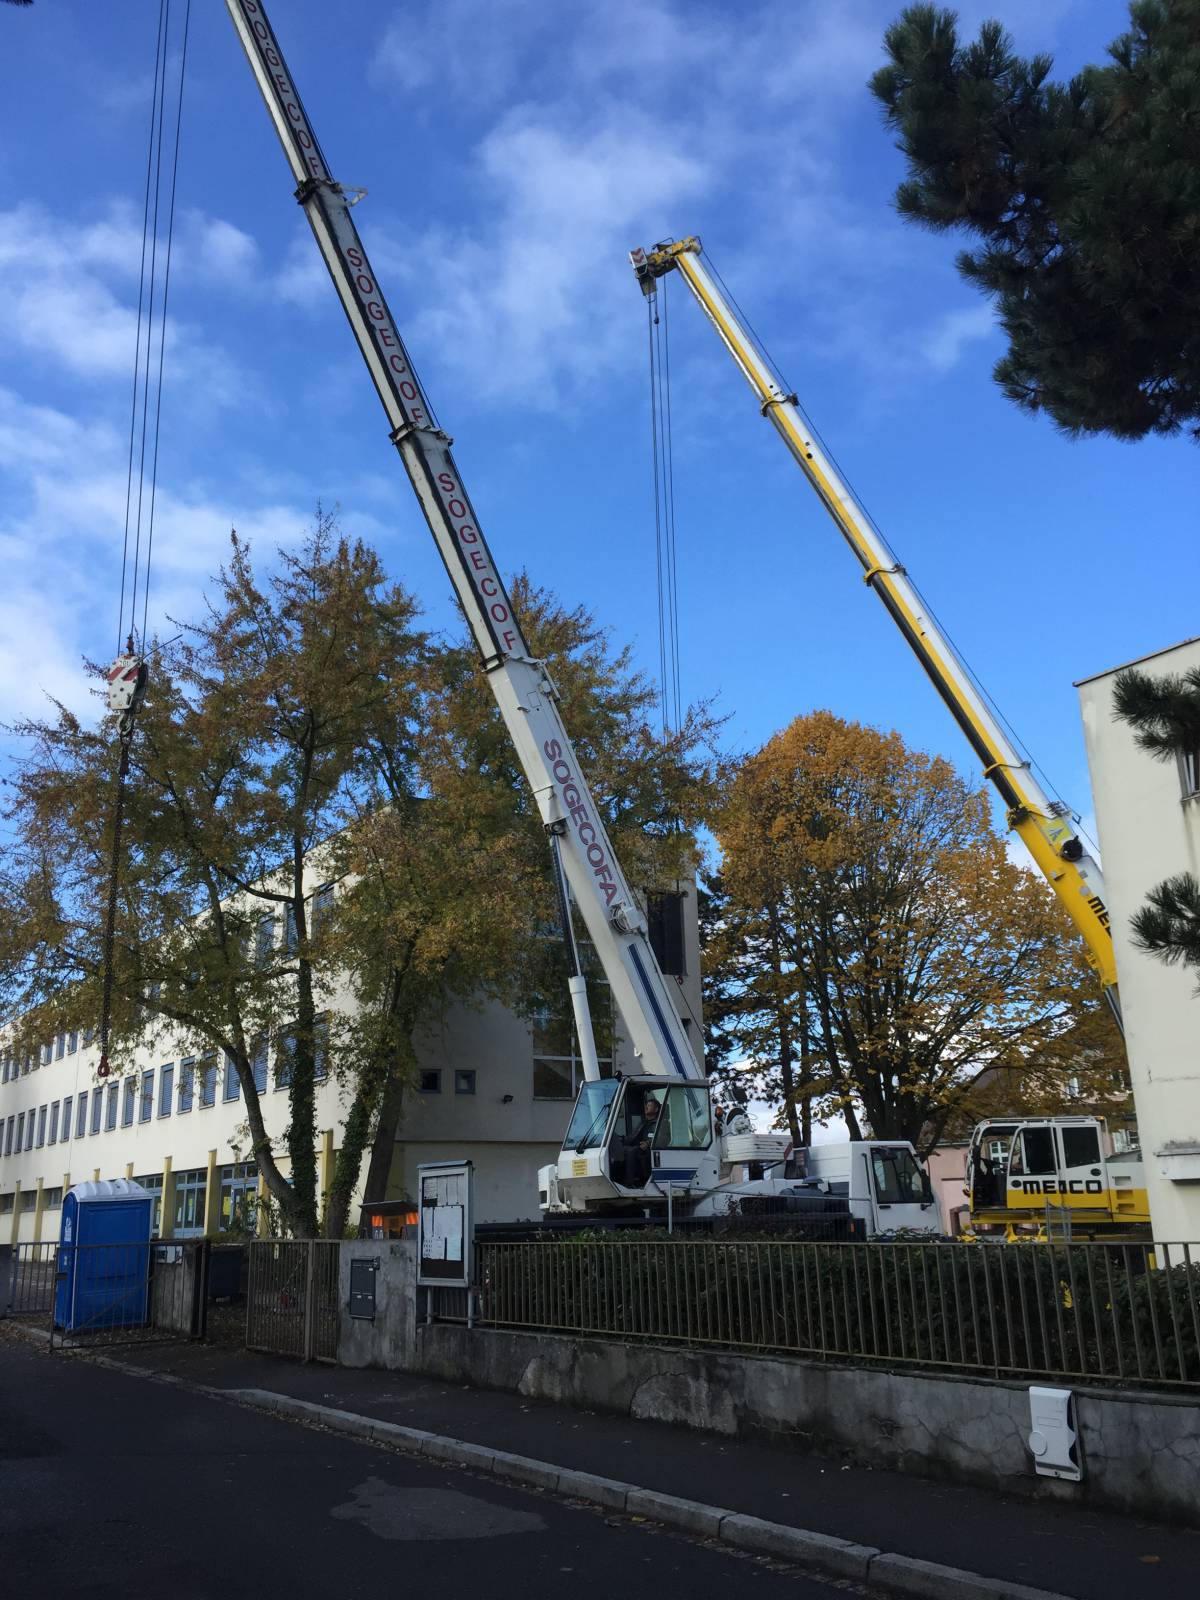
[[1148, 817], [492, 1086]]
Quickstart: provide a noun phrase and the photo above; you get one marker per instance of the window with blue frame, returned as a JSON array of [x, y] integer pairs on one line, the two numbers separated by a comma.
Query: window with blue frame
[[8, 1137], [41, 1127], [52, 1136], [72, 1043], [97, 1109], [232, 1085], [20, 1130], [81, 1115], [110, 1108], [286, 1048], [208, 1081], [29, 1125], [290, 940], [146, 1100], [128, 1102], [166, 1086], [264, 941], [68, 1103], [60, 1045], [187, 1084], [261, 1062]]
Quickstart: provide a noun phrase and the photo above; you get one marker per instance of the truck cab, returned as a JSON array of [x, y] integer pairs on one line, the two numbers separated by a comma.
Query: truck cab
[[1023, 1174], [885, 1184]]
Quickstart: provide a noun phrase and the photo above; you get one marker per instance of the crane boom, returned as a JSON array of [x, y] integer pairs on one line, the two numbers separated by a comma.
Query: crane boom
[[1044, 825], [522, 687]]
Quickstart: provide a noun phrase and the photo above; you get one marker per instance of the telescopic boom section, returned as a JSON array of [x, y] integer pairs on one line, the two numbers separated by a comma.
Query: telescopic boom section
[[1041, 823], [523, 690]]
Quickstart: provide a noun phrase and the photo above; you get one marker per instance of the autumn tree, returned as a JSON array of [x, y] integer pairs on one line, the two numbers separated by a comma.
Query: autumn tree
[[872, 912], [1084, 198], [245, 754], [452, 896]]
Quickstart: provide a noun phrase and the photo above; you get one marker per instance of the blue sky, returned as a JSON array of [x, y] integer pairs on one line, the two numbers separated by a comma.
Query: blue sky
[[513, 152]]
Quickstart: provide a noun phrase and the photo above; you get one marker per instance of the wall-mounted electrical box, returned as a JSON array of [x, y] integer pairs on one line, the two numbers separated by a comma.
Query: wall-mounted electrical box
[[1052, 1433]]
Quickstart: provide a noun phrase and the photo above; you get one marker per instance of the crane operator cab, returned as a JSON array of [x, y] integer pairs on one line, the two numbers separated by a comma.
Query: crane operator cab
[[628, 1140]]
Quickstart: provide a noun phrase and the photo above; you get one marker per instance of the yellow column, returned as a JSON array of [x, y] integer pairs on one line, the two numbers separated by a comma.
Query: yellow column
[[16, 1221], [212, 1199], [39, 1207], [166, 1223], [95, 1174], [129, 1169], [325, 1171]]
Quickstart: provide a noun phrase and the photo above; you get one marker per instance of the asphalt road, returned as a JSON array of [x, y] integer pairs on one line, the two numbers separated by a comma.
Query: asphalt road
[[112, 1486]]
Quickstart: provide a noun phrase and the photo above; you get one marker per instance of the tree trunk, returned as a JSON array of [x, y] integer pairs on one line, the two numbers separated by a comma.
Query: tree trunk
[[383, 1147]]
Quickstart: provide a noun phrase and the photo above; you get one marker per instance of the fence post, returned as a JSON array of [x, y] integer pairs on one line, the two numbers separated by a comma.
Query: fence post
[[310, 1288]]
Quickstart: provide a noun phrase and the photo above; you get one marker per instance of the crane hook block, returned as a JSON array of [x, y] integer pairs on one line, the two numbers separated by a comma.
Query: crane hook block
[[126, 684]]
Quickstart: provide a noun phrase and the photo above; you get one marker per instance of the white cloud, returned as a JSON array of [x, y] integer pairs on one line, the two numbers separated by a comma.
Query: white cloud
[[945, 342]]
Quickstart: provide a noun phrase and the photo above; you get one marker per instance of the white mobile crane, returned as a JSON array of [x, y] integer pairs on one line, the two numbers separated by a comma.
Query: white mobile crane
[[1043, 824], [638, 1143]]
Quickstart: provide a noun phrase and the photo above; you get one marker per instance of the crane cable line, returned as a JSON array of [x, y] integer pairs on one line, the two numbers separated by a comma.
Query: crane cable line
[[665, 539], [128, 674]]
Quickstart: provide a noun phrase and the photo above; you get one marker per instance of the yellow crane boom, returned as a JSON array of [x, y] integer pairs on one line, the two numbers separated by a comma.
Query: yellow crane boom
[[1044, 825]]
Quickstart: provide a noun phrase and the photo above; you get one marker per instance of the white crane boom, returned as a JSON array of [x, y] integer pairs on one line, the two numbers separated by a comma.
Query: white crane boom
[[521, 685]]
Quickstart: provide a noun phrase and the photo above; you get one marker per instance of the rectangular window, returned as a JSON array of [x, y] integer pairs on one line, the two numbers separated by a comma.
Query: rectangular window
[[4, 1068], [264, 941], [239, 1198], [431, 1082], [128, 1101], [8, 1136], [6, 1205], [41, 1127], [52, 1136], [208, 1081], [52, 1198], [47, 1054], [322, 905], [146, 1101], [552, 1079], [166, 1086], [68, 1105], [152, 1182], [664, 919], [97, 1109], [187, 1084], [1081, 1147], [260, 1065], [190, 1189], [110, 1108], [464, 1081], [72, 1043], [60, 1045], [81, 1115], [29, 1200], [232, 1086], [29, 1130], [290, 940], [20, 1130], [88, 1035], [1190, 771]]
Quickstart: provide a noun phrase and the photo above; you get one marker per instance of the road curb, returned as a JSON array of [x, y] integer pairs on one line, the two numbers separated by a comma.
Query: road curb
[[881, 1571]]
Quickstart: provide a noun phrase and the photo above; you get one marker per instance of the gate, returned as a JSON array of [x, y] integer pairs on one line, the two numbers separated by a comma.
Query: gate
[[98, 1295], [292, 1303]]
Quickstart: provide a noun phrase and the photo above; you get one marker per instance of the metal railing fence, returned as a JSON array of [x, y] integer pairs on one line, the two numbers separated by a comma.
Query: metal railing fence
[[292, 1298], [1127, 1312], [111, 1293]]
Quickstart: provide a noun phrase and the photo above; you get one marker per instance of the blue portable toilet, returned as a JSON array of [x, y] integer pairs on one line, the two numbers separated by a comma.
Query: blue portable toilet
[[102, 1279]]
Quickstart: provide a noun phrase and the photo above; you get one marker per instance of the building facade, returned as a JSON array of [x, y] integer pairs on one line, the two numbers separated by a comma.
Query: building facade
[[491, 1085], [1148, 818]]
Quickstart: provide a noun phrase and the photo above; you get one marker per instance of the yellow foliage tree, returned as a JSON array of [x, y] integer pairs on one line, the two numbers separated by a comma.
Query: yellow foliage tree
[[873, 924]]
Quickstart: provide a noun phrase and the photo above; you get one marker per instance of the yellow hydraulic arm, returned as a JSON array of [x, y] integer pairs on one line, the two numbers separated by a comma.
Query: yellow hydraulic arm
[[1043, 824]]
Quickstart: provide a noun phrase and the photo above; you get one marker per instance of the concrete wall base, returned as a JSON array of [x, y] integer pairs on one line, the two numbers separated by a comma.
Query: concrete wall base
[[1141, 1450]]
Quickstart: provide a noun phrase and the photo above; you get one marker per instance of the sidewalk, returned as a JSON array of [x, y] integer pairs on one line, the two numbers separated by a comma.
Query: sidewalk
[[1094, 1555]]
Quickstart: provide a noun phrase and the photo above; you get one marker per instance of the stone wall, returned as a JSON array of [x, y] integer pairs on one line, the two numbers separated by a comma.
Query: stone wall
[[1141, 1451]]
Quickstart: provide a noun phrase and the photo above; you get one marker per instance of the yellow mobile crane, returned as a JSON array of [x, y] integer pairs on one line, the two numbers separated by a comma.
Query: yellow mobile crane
[[1045, 825]]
